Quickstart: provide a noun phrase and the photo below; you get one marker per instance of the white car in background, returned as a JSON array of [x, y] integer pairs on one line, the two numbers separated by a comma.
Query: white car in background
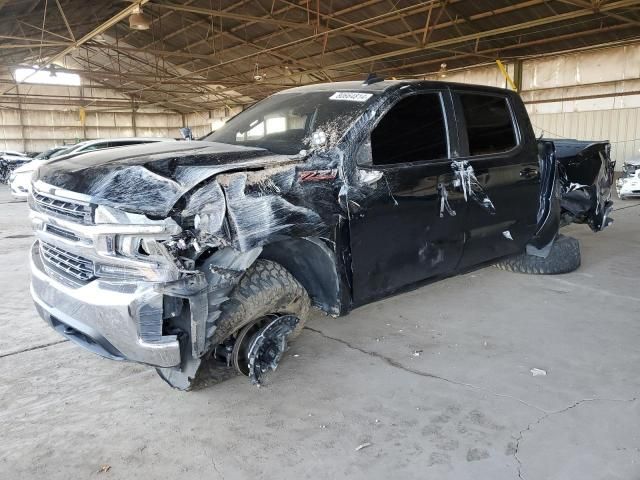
[[629, 184], [52, 152], [9, 161], [20, 178], [9, 154]]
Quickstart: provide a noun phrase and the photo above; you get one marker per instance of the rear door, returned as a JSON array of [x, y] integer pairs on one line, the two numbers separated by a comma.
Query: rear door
[[503, 156], [401, 232]]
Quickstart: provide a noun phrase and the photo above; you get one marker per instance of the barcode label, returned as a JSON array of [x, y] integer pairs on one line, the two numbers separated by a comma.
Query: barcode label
[[351, 96]]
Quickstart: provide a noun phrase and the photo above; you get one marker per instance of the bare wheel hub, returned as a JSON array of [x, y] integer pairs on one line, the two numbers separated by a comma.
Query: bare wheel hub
[[260, 345]]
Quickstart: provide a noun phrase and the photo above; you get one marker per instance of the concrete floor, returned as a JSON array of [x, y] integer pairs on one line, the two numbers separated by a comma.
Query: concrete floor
[[466, 407]]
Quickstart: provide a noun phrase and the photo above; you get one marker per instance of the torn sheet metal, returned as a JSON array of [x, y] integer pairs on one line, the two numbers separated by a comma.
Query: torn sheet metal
[[205, 292], [586, 176], [257, 219]]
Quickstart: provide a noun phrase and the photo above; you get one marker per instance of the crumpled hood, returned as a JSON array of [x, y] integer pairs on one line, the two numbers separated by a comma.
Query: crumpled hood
[[150, 178]]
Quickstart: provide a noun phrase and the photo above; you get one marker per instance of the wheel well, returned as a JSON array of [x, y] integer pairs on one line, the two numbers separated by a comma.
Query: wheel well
[[313, 264]]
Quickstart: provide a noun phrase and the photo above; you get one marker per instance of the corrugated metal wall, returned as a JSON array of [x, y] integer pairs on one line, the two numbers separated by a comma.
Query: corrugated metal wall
[[621, 127], [37, 130], [34, 128]]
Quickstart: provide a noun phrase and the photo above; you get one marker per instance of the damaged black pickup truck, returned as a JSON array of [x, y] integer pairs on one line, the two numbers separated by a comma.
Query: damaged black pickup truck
[[332, 196]]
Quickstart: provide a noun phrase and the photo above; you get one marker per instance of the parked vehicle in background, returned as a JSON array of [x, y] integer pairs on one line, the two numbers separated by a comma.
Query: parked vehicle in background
[[52, 152], [20, 178], [211, 253], [628, 185], [12, 154], [90, 145], [9, 161]]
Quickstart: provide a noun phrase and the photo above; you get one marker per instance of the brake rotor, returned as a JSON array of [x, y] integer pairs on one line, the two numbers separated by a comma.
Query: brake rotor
[[239, 356]]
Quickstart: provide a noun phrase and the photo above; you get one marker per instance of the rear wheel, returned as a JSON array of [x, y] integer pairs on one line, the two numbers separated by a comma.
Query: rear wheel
[[564, 257]]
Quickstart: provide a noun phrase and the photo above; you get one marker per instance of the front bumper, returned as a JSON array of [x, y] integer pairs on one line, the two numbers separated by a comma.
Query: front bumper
[[106, 318]]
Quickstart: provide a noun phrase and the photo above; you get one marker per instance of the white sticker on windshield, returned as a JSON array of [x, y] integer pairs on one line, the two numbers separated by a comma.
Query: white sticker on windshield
[[351, 96]]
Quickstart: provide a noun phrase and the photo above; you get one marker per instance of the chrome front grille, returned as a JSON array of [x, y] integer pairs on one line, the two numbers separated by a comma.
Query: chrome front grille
[[67, 264], [75, 211], [61, 232]]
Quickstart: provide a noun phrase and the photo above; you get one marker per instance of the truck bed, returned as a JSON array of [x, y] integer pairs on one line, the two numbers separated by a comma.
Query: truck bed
[[585, 173]]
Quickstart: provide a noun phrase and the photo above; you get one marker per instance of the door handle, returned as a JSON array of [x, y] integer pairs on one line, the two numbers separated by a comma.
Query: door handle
[[529, 172]]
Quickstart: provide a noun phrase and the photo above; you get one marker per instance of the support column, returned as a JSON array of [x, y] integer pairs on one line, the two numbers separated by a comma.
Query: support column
[[517, 75], [21, 118], [83, 115], [133, 118]]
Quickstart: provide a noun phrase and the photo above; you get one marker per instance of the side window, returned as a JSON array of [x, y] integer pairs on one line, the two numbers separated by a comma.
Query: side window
[[413, 130], [489, 124], [120, 143]]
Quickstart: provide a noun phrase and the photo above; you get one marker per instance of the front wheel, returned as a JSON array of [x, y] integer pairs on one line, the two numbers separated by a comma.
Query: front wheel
[[266, 289], [265, 311]]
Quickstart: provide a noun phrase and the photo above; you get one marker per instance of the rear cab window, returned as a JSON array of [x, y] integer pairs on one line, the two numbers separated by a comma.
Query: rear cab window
[[488, 123]]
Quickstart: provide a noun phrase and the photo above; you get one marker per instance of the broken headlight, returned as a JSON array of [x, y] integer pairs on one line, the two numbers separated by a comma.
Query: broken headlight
[[137, 258]]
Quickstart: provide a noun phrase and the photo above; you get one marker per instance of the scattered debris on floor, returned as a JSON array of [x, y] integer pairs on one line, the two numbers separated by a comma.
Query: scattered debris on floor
[[104, 468], [416, 353], [362, 446], [537, 372]]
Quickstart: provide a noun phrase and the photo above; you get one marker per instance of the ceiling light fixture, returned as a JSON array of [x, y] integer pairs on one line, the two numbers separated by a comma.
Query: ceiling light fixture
[[138, 20], [257, 76]]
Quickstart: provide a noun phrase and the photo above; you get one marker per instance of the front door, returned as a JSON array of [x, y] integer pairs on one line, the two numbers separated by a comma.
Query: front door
[[410, 224]]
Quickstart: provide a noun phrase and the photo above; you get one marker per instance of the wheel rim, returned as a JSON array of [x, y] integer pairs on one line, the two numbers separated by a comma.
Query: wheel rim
[[243, 341], [261, 344]]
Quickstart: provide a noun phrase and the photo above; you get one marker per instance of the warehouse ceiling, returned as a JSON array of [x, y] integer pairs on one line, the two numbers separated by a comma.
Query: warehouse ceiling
[[202, 54]]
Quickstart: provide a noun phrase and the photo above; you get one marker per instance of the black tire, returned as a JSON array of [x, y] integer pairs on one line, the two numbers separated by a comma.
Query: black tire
[[564, 257], [266, 288]]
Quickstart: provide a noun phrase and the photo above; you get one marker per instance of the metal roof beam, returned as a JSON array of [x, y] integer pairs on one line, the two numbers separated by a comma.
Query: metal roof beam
[[96, 31], [483, 34], [597, 8]]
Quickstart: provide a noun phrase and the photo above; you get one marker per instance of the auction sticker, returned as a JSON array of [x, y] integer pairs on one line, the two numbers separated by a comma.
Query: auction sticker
[[351, 96]]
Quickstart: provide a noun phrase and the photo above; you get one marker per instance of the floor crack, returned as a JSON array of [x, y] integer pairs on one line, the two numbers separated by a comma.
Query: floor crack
[[215, 467], [546, 414], [395, 364], [36, 347], [557, 412]]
